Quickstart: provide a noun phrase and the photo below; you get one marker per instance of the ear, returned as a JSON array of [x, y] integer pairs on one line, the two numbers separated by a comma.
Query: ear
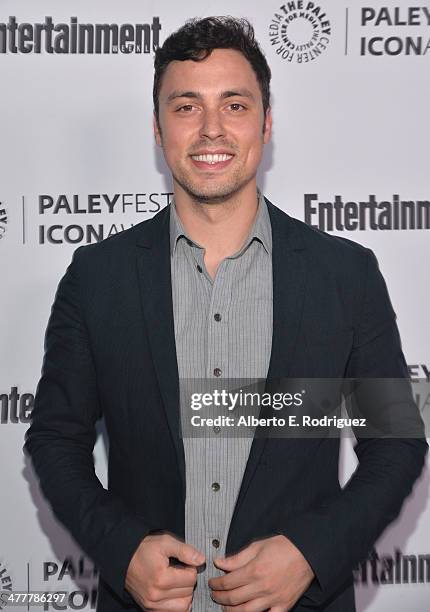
[[157, 131], [267, 128]]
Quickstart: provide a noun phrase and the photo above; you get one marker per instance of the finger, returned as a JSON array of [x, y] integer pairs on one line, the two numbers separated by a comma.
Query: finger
[[177, 577], [256, 605], [238, 596], [182, 551], [235, 561], [237, 578]]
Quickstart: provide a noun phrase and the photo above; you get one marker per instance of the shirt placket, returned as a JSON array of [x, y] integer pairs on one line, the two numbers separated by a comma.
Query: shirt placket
[[218, 451], [215, 445]]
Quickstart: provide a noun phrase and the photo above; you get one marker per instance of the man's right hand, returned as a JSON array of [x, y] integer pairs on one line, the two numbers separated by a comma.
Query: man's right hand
[[155, 584]]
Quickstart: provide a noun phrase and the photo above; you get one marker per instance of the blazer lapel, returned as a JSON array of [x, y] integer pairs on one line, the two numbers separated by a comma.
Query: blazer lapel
[[153, 265], [289, 278]]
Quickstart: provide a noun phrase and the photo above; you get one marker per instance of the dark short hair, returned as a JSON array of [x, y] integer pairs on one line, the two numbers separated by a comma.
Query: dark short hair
[[196, 40]]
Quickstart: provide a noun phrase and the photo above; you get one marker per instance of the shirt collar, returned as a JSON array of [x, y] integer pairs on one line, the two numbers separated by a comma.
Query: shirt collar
[[261, 228]]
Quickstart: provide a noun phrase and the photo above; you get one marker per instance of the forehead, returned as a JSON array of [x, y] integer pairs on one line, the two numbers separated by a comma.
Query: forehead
[[222, 69]]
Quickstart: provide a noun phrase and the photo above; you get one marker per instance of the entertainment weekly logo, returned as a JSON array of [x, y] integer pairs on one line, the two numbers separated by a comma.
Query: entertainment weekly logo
[[78, 38], [300, 31], [341, 214], [15, 407], [396, 568]]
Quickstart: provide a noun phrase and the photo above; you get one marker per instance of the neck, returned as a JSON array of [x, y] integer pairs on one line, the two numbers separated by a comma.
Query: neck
[[222, 227]]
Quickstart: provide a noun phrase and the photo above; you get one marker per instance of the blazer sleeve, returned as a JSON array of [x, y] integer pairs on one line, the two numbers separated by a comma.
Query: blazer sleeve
[[61, 438], [335, 536]]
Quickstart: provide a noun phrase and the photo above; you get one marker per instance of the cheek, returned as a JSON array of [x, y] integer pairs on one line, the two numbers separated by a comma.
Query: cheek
[[177, 141], [173, 148], [251, 139], [255, 149]]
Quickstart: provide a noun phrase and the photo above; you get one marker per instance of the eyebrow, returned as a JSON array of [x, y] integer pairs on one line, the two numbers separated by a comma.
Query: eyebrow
[[243, 93]]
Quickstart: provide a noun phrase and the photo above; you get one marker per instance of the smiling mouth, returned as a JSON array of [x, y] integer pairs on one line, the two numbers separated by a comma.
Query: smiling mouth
[[216, 160]]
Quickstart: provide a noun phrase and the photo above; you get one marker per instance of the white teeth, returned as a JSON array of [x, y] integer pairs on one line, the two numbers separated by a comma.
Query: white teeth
[[212, 159]]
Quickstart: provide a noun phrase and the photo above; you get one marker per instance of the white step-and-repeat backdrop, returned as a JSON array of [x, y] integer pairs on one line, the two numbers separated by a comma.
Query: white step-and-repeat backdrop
[[350, 96]]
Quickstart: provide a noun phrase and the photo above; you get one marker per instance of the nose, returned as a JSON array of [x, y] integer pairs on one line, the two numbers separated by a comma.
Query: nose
[[212, 124]]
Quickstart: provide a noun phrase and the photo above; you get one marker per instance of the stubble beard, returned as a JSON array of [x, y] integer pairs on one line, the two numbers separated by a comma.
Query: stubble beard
[[215, 194]]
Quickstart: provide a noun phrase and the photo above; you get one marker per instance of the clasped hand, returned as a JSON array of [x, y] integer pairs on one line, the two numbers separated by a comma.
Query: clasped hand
[[269, 574]]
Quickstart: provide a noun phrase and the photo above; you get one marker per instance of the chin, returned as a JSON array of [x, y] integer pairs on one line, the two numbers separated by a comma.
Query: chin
[[211, 195], [214, 193]]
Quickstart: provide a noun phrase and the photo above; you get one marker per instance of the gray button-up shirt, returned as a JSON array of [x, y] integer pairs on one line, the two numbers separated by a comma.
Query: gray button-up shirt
[[223, 329]]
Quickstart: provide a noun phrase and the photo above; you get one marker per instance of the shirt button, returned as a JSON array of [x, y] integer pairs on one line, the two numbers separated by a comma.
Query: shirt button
[[215, 486], [216, 429], [217, 316], [199, 268], [217, 372], [215, 543]]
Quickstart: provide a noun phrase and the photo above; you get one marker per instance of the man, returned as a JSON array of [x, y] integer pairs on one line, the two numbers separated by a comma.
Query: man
[[220, 284]]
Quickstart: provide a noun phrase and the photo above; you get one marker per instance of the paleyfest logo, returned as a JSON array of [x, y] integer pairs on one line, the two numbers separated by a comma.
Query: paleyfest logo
[[300, 31]]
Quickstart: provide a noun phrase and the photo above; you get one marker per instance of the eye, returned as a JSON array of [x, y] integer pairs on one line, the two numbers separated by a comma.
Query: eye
[[235, 106], [186, 108]]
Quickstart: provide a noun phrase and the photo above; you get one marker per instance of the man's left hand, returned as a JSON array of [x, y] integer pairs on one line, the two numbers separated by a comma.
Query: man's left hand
[[269, 574]]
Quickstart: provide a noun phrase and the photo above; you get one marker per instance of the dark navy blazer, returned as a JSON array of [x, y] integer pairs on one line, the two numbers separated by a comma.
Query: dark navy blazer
[[110, 351]]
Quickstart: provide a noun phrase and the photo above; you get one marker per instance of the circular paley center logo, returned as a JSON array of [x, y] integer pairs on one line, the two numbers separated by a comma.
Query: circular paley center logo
[[5, 584], [300, 31], [3, 220]]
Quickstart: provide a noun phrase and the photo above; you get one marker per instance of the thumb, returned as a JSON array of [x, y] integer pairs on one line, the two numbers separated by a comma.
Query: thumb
[[235, 561], [186, 553]]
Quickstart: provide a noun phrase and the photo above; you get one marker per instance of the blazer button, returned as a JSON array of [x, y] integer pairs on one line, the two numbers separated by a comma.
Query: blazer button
[[215, 543], [217, 429], [215, 486], [217, 372]]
